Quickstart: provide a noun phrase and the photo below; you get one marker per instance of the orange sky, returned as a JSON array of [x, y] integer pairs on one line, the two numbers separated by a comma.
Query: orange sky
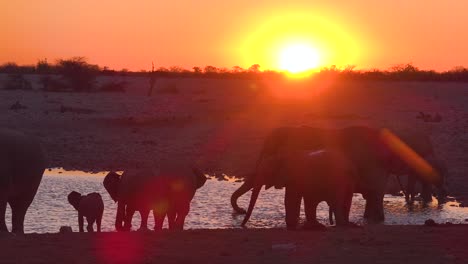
[[130, 34]]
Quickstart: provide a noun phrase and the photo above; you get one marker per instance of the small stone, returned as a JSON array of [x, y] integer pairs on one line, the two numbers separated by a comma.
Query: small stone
[[430, 222], [17, 106], [65, 229]]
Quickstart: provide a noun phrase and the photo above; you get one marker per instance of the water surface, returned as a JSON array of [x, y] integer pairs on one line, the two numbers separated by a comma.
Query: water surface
[[210, 208]]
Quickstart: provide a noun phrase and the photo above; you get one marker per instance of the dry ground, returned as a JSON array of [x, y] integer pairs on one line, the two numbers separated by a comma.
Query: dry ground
[[372, 244]]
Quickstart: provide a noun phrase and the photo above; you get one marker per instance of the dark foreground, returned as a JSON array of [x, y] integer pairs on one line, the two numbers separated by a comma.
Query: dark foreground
[[372, 244]]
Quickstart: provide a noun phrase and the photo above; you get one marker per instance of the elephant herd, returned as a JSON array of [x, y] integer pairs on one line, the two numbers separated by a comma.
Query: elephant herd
[[312, 164]]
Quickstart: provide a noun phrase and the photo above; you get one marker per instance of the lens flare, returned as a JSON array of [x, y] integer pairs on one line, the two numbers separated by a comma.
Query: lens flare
[[410, 157]]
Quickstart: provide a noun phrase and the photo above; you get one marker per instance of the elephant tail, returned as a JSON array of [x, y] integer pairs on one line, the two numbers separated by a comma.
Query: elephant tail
[[253, 199]]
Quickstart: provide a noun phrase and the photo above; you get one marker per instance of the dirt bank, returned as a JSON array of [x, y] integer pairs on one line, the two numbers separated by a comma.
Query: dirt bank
[[380, 244]]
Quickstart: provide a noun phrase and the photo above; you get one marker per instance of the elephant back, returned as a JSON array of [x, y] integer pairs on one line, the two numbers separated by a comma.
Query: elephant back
[[134, 182]]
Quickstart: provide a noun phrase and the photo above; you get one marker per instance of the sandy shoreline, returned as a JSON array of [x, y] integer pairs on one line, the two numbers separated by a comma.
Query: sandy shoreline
[[371, 244]]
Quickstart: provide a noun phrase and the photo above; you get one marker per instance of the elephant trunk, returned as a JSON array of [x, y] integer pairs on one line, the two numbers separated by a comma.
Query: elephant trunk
[[253, 199], [244, 188]]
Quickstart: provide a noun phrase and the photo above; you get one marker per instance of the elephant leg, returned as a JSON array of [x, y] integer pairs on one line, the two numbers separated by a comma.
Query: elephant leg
[[179, 222], [158, 219], [374, 207], [90, 221], [171, 216], [426, 192], [410, 188], [3, 205], [98, 222], [129, 212], [343, 207], [18, 212], [120, 216], [182, 212], [144, 220], [310, 207], [292, 204]]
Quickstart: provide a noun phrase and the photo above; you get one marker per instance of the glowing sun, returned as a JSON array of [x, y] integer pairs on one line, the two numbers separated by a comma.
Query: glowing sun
[[298, 58]]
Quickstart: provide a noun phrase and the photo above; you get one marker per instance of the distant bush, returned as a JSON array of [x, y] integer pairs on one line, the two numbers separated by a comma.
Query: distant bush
[[170, 88], [50, 84], [17, 82], [113, 86], [80, 75]]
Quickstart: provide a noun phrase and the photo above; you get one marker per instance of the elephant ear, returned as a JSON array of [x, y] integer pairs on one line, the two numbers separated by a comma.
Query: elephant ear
[[112, 185], [74, 199], [200, 177]]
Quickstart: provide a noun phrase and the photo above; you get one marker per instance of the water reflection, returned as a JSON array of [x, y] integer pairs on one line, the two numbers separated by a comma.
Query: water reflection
[[210, 208]]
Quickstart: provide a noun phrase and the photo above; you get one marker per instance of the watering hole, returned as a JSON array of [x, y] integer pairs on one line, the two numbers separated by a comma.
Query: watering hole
[[210, 208]]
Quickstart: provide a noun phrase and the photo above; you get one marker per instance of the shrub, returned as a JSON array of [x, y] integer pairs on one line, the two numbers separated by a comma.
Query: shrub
[[113, 86], [170, 88], [17, 82], [79, 74]]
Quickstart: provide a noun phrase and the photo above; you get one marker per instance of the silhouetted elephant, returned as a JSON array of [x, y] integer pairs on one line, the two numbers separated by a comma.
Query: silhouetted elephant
[[315, 176], [168, 192], [22, 164], [427, 189], [90, 206], [370, 150]]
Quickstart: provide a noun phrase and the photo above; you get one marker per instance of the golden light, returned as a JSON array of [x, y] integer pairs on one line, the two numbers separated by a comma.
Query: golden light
[[410, 157], [299, 41], [298, 58]]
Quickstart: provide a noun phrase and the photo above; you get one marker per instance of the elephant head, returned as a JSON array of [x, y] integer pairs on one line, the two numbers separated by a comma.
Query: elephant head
[[200, 177], [267, 173], [74, 199], [112, 185]]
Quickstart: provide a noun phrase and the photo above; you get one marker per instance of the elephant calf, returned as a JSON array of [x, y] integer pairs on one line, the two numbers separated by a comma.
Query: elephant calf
[[90, 206], [315, 176]]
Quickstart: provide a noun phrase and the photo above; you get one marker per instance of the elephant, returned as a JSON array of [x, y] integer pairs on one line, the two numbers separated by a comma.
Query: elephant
[[369, 149], [315, 176], [22, 164], [426, 168], [90, 206], [427, 188], [168, 192]]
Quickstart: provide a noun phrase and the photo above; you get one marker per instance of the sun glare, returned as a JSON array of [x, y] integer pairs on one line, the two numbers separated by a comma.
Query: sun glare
[[298, 58]]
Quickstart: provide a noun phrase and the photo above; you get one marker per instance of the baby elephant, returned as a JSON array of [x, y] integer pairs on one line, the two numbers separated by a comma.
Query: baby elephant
[[90, 206]]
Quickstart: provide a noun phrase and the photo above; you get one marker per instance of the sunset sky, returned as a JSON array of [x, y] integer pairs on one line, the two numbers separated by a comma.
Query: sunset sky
[[130, 34]]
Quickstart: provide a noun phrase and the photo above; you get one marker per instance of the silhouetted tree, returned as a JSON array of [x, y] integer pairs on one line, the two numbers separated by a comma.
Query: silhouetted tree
[[255, 68], [197, 70], [210, 69], [43, 67], [79, 74], [152, 80]]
